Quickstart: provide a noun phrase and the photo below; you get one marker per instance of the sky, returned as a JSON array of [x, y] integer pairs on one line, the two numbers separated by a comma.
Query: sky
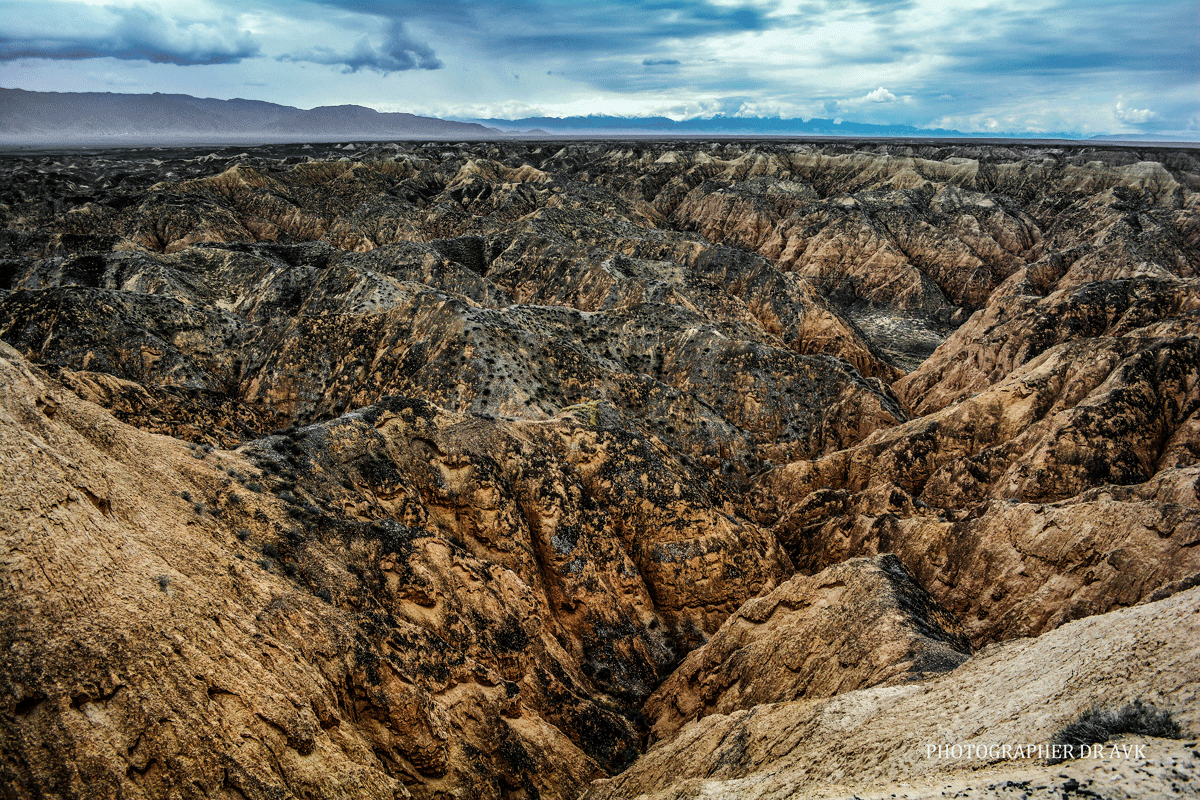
[[1068, 66]]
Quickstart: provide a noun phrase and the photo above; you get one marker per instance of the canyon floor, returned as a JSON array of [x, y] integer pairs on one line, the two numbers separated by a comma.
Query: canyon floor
[[607, 469]]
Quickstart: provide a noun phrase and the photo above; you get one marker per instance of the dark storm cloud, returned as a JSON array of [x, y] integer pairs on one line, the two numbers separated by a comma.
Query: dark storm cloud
[[131, 33], [564, 28], [395, 53], [1123, 36]]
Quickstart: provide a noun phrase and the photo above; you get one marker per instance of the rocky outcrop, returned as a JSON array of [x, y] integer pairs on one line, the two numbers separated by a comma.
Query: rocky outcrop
[[1068, 489], [1014, 329], [861, 623], [1073, 393], [305, 332], [885, 740], [1019, 569]]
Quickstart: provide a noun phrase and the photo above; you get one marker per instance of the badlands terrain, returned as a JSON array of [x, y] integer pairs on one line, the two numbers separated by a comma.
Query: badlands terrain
[[551, 470]]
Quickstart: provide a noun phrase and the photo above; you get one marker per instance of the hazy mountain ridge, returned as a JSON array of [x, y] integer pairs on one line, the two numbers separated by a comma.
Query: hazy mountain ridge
[[65, 116], [723, 125], [28, 117]]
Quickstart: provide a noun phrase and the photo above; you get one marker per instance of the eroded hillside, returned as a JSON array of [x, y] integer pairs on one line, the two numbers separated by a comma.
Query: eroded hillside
[[395, 470]]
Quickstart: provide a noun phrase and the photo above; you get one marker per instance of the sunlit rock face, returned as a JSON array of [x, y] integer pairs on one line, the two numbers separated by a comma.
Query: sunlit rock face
[[473, 470]]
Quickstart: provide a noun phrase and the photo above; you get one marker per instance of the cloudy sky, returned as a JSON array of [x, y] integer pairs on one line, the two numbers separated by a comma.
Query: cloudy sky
[[1085, 66]]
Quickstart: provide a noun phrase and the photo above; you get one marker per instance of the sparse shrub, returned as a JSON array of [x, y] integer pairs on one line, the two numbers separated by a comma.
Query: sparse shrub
[[198, 508], [270, 550], [255, 486], [187, 496], [325, 595], [1098, 725], [243, 534], [163, 581], [265, 564]]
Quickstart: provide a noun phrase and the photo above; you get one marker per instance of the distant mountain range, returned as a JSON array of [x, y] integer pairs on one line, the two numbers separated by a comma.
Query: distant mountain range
[[720, 125], [98, 116]]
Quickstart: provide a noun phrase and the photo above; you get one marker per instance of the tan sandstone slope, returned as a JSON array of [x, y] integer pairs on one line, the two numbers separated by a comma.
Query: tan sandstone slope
[[861, 623], [469, 624], [876, 742]]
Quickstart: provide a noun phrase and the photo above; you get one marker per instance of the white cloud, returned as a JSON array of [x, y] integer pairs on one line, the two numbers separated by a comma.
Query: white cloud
[[1134, 116], [880, 96]]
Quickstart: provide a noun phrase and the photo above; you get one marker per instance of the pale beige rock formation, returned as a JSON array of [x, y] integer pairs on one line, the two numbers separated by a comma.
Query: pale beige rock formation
[[875, 742]]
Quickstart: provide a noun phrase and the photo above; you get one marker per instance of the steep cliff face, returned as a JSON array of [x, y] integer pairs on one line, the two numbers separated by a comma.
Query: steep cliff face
[[470, 470]]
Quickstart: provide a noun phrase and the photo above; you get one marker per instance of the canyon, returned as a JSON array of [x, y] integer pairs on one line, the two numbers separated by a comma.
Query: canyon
[[610, 469]]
